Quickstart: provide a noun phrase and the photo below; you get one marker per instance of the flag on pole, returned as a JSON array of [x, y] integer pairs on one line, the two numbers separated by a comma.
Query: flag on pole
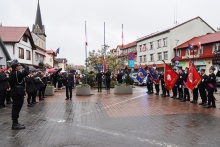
[[189, 46], [122, 36], [193, 77], [199, 45], [141, 75], [155, 76], [58, 51], [170, 77]]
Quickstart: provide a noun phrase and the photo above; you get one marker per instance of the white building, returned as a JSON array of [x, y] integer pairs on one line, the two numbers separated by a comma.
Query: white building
[[19, 43], [4, 55], [51, 61], [159, 46], [62, 63]]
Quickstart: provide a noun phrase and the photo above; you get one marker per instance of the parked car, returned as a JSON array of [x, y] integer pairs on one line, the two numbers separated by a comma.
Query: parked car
[[134, 77]]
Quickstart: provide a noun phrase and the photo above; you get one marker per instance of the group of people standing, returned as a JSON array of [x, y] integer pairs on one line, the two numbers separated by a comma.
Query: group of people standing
[[205, 88]]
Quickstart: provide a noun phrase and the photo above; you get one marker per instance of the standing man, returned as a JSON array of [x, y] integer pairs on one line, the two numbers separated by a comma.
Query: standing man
[[149, 83], [17, 84], [3, 87], [202, 87], [69, 83], [44, 80], [180, 84], [186, 95], [8, 92], [30, 88], [108, 79], [119, 77], [99, 81], [211, 87], [157, 83]]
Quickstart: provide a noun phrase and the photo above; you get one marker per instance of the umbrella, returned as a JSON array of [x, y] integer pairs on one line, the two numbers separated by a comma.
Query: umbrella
[[58, 70], [52, 70]]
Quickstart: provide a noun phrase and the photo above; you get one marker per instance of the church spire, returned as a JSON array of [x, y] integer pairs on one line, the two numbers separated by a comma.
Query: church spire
[[38, 27]]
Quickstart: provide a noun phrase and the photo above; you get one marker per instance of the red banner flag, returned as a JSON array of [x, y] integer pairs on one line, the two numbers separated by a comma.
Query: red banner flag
[[170, 77], [193, 77]]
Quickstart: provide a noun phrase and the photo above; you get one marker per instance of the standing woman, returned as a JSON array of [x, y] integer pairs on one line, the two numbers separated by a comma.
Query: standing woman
[[17, 84]]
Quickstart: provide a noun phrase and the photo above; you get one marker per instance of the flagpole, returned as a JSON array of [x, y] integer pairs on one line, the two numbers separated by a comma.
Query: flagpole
[[86, 54]]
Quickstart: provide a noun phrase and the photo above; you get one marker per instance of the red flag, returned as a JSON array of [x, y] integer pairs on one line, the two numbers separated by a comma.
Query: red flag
[[199, 45], [170, 77], [104, 66], [193, 77], [122, 36]]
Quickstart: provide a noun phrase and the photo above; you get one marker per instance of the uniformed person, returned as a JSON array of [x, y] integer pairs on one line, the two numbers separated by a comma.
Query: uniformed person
[[174, 89], [211, 80], [17, 84], [69, 83], [186, 95], [30, 88], [157, 83], [3, 87], [180, 84], [202, 87], [8, 93], [108, 79], [99, 81]]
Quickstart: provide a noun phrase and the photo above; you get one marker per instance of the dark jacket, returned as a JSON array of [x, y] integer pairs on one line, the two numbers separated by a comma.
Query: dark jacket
[[108, 76], [162, 79], [179, 81], [99, 77], [211, 81], [3, 81], [30, 84], [119, 77], [203, 83], [16, 81], [69, 79]]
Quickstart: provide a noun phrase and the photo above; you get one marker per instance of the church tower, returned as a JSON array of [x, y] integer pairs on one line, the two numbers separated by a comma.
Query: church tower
[[38, 27]]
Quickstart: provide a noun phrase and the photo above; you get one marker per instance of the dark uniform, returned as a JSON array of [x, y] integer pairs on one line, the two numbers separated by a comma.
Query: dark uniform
[[157, 85], [108, 79], [8, 92], [3, 88], [119, 78], [180, 86], [99, 81], [17, 84], [164, 90], [202, 89], [69, 83], [44, 79], [149, 84], [210, 88], [186, 95], [30, 89]]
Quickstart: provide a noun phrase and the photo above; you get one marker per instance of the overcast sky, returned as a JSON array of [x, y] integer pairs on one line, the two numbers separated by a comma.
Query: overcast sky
[[64, 20]]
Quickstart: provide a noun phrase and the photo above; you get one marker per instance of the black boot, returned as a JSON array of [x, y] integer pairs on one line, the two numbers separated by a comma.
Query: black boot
[[17, 126]]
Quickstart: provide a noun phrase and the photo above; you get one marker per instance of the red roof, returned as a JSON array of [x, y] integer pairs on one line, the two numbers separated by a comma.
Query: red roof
[[12, 34], [167, 30], [129, 45], [205, 39]]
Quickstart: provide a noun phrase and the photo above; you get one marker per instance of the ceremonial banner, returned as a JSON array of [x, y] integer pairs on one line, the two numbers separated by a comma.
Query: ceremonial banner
[[193, 77], [141, 75], [170, 77]]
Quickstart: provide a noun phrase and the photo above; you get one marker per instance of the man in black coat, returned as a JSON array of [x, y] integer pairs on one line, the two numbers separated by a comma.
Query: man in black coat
[[119, 77], [99, 81], [3, 87], [43, 77], [108, 79], [8, 93], [202, 87], [186, 95], [69, 83], [17, 84], [30, 88], [180, 84]]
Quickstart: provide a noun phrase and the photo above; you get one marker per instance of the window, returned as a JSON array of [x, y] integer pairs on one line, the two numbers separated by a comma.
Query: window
[[151, 57], [36, 56], [145, 59], [215, 47], [21, 53], [158, 43], [165, 55], [140, 47], [159, 56], [178, 53], [144, 47], [164, 42], [28, 55], [201, 50], [151, 45], [25, 39], [141, 59]]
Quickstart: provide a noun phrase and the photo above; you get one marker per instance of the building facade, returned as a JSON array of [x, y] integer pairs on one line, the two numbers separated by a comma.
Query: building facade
[[204, 51], [159, 46], [4, 55], [19, 43], [62, 63]]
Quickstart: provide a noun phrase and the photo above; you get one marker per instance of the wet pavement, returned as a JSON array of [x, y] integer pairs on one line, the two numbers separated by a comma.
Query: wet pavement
[[104, 119]]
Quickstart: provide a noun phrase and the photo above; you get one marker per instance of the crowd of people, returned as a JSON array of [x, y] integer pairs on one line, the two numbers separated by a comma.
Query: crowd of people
[[205, 88], [18, 81]]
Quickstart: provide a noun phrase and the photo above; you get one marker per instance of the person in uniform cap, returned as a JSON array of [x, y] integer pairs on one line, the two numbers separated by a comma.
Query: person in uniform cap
[[211, 80], [17, 84], [180, 83], [8, 93], [30, 88], [69, 82], [202, 87], [99, 81]]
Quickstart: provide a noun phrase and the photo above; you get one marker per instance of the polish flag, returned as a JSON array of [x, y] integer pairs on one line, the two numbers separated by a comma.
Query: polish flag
[[199, 45]]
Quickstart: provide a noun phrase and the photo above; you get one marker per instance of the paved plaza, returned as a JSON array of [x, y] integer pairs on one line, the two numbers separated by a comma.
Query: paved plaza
[[108, 120]]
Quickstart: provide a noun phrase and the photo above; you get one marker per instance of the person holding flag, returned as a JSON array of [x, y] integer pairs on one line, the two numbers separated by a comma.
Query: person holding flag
[[202, 87], [186, 95], [149, 83], [141, 75], [211, 87], [156, 80], [180, 84]]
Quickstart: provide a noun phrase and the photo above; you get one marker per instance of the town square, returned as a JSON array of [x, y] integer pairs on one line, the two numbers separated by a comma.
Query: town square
[[109, 73]]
